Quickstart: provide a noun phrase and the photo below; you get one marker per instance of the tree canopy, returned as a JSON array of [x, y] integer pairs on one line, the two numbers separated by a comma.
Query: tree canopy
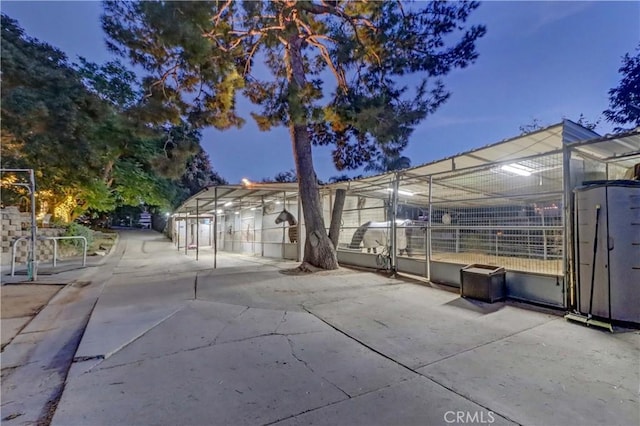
[[85, 131], [334, 72], [624, 100]]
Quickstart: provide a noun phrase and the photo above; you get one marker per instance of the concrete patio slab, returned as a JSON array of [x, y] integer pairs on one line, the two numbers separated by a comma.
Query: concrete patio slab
[[592, 375], [405, 324], [251, 382], [248, 344], [414, 402], [109, 330]]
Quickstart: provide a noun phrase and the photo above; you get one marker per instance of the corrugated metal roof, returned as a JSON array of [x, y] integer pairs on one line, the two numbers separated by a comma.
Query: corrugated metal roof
[[622, 149]]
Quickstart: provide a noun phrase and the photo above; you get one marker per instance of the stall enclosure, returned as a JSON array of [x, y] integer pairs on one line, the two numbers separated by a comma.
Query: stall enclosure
[[242, 219], [508, 204], [501, 205]]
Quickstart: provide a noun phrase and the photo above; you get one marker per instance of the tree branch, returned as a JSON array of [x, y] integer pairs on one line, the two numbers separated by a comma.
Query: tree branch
[[217, 16], [338, 72]]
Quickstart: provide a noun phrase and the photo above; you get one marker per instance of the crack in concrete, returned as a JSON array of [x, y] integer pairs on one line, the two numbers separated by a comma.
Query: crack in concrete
[[195, 287], [215, 339], [87, 358], [485, 344], [306, 364], [208, 345], [110, 354], [168, 273], [282, 321], [310, 410], [400, 364]]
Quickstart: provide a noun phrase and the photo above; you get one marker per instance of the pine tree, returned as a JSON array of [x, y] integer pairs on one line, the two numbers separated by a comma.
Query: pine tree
[[330, 71]]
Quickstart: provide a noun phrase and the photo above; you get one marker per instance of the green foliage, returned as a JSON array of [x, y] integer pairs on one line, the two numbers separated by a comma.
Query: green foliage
[[47, 115], [624, 100], [198, 174], [535, 125], [388, 162], [76, 230], [586, 123], [98, 196], [112, 82], [89, 132], [288, 176]]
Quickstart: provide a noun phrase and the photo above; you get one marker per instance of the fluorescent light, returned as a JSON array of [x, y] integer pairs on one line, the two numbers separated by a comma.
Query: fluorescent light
[[237, 212], [228, 204], [401, 192], [219, 211], [278, 202], [517, 169], [253, 208]]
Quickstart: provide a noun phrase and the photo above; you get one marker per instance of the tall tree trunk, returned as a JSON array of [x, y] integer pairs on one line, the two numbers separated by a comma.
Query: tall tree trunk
[[336, 216], [107, 176], [318, 250]]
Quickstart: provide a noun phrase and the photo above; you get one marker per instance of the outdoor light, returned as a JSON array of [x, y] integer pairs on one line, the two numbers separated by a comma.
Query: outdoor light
[[166, 214], [517, 169], [246, 182], [228, 204]]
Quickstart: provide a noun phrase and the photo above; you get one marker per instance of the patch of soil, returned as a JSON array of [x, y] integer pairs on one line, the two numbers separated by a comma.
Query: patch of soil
[[26, 299]]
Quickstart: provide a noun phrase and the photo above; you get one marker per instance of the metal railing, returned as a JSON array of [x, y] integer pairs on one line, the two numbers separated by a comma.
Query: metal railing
[[55, 250]]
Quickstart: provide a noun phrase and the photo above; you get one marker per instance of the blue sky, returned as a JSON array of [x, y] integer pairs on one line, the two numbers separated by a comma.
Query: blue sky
[[539, 60]]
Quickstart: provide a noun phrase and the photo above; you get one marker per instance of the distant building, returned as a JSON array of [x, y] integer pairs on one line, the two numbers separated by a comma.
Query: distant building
[[145, 220]]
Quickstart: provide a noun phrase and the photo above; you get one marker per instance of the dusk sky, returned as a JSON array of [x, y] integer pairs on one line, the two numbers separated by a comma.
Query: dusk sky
[[539, 60]]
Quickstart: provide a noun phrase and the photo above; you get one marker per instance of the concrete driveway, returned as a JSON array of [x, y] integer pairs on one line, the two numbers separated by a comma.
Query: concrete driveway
[[172, 341]]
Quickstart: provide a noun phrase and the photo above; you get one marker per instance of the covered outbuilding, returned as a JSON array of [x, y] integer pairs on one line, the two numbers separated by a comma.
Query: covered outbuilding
[[508, 204], [241, 219]]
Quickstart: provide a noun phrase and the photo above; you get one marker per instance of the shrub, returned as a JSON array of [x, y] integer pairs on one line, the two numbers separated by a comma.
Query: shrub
[[76, 230]]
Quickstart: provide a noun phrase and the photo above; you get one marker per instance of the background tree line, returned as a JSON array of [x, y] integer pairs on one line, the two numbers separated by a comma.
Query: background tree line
[[91, 134]]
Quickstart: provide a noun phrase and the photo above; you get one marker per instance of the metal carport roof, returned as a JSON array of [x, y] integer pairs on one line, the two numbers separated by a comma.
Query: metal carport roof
[[251, 194], [622, 149], [521, 149]]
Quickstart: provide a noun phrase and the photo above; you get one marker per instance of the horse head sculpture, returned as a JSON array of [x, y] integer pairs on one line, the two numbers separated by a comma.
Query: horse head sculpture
[[286, 216]]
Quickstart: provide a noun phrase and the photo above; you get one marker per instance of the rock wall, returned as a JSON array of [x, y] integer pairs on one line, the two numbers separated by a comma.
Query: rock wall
[[15, 225]]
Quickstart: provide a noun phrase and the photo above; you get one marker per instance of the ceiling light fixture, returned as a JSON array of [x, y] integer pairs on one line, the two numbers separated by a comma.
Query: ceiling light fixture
[[401, 192], [517, 169]]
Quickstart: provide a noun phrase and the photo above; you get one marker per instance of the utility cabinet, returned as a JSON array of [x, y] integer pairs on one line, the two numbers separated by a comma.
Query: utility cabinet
[[483, 282], [610, 262]]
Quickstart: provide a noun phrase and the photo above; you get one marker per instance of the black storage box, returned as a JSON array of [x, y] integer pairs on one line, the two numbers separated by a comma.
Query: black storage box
[[483, 282]]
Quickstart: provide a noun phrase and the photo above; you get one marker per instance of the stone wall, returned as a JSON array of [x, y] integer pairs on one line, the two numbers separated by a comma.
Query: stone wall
[[15, 225]]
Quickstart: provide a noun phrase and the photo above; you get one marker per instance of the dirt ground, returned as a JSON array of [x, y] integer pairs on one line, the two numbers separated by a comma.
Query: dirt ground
[[21, 302]]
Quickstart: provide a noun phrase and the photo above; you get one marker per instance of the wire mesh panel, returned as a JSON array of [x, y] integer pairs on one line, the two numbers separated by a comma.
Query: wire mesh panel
[[507, 215], [359, 213]]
